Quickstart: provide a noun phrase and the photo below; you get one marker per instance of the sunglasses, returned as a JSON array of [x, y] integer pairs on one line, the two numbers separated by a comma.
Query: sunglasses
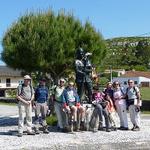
[[130, 82]]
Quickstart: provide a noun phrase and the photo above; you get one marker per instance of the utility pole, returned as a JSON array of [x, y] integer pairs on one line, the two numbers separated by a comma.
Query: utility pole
[[111, 74]]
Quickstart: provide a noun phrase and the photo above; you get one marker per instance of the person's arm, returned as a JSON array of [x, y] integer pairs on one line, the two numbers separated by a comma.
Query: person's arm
[[138, 94], [64, 100], [23, 100], [78, 68], [19, 97]]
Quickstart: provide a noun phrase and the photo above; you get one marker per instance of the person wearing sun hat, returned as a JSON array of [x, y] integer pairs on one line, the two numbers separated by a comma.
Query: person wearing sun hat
[[62, 123], [25, 96]]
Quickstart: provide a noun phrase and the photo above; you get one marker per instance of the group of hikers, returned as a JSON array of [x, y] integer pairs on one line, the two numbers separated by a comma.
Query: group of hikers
[[68, 100]]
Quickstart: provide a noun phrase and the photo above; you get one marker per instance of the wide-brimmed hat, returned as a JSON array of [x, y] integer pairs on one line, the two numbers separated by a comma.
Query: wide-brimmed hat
[[27, 77]]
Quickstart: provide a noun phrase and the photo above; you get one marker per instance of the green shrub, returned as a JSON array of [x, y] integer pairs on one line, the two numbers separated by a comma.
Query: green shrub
[[51, 120]]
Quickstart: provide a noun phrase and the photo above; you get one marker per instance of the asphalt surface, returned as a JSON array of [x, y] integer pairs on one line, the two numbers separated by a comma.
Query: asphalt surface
[[87, 140]]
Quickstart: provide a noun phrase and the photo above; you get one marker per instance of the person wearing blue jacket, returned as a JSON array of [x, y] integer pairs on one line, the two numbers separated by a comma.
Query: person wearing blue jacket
[[41, 99], [71, 104]]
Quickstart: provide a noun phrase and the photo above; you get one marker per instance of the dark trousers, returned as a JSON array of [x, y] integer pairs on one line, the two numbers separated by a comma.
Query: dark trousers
[[103, 111], [82, 88]]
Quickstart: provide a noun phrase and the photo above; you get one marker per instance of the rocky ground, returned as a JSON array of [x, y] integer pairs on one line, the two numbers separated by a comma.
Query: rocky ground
[[86, 140]]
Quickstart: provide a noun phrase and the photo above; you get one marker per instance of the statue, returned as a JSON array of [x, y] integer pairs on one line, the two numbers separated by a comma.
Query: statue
[[83, 70]]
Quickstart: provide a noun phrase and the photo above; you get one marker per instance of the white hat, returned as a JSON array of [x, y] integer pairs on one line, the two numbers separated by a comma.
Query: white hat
[[71, 83], [63, 80], [27, 77]]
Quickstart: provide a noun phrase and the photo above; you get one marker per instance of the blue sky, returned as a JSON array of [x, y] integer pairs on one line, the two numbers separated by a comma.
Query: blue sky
[[113, 18]]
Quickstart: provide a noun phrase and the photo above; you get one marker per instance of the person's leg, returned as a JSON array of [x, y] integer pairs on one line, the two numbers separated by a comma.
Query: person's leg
[[81, 117], [88, 86], [131, 111], [107, 121], [119, 111], [100, 114], [74, 116], [124, 116], [21, 118], [44, 109], [43, 113], [37, 116], [28, 109], [93, 120], [80, 90], [58, 110], [135, 117]]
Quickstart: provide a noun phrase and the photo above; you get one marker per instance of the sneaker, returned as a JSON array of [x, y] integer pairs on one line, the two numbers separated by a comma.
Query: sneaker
[[20, 134], [30, 133]]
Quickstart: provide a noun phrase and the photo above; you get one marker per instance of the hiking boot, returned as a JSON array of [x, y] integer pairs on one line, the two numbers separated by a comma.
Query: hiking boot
[[20, 134], [120, 128], [135, 128], [30, 133], [101, 129], [113, 128], [66, 129], [37, 131], [108, 130], [75, 126], [95, 130], [46, 131], [125, 128], [82, 128]]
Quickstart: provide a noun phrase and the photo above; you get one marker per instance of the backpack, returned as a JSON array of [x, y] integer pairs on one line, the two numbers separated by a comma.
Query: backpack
[[131, 101], [22, 89]]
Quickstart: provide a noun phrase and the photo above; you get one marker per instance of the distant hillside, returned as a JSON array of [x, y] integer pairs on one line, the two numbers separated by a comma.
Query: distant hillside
[[122, 41], [128, 53]]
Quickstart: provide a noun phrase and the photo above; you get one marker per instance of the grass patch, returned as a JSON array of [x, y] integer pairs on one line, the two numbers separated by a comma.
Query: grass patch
[[145, 112], [8, 104], [145, 92]]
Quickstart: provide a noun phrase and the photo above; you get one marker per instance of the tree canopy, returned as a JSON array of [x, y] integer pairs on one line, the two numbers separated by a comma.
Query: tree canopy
[[46, 42]]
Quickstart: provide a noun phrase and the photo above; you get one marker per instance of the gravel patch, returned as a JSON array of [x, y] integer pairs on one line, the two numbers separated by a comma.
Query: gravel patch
[[86, 140]]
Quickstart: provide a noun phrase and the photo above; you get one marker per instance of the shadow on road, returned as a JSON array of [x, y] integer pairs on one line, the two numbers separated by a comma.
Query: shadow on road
[[8, 121]]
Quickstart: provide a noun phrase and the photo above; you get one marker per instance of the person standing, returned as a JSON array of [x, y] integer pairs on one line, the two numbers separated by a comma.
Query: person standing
[[120, 105], [61, 116], [83, 70], [41, 99], [134, 103], [25, 96]]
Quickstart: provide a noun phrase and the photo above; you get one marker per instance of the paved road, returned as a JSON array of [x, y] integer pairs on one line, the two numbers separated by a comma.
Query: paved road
[[116, 140]]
